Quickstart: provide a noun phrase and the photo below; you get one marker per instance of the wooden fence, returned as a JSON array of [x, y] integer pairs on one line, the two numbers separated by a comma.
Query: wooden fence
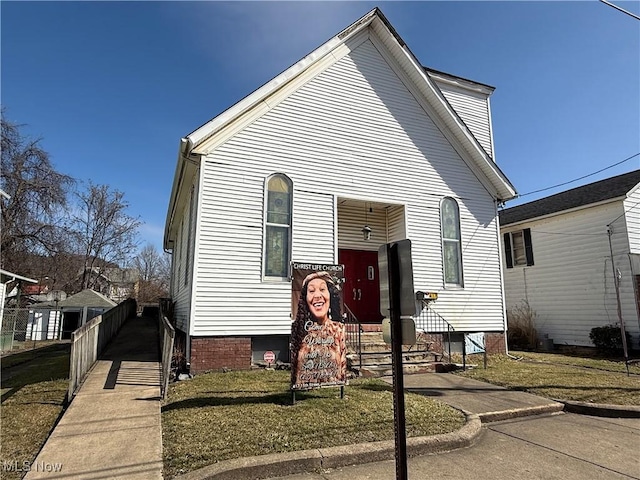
[[90, 340]]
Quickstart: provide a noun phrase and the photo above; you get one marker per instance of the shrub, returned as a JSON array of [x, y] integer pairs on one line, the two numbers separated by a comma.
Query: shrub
[[608, 339], [521, 332]]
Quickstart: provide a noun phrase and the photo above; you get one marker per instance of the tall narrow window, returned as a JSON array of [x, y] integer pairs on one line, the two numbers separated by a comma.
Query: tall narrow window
[[451, 245], [278, 226]]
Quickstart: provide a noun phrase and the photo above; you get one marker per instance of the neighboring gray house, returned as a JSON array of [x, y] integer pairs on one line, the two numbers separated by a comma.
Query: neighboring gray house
[[356, 133], [558, 258], [116, 283], [57, 319]]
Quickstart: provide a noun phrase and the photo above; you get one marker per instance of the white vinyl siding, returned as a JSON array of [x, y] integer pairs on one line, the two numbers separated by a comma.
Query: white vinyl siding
[[351, 220], [571, 286], [632, 214], [354, 131], [397, 228], [183, 260], [313, 227], [473, 109]]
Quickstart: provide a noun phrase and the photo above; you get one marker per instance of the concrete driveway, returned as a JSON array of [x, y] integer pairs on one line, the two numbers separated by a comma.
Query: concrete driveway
[[562, 446]]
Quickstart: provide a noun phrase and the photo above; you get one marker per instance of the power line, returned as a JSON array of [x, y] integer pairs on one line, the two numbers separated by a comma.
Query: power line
[[580, 178], [624, 213], [621, 9]]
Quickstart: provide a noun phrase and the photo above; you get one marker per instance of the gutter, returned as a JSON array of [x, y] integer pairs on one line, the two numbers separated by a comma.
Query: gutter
[[184, 151]]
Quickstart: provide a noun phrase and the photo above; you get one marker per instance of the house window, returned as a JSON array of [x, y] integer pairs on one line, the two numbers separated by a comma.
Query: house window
[[518, 248], [451, 245], [277, 227]]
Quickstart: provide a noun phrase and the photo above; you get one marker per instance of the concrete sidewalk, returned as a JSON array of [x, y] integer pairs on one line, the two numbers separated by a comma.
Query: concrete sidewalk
[[112, 427], [480, 401], [490, 402]]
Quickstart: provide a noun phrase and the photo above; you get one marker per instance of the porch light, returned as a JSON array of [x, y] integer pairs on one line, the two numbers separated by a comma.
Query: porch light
[[366, 232]]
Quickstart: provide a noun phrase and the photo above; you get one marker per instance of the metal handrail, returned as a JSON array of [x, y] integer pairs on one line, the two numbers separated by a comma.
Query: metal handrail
[[429, 321], [353, 333]]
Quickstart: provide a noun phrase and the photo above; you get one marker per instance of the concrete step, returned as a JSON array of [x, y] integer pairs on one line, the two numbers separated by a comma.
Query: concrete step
[[373, 342], [369, 371], [385, 347], [382, 358]]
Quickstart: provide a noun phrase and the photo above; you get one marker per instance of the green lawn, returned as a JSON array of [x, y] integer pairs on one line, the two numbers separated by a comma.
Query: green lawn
[[563, 377], [33, 395], [219, 416]]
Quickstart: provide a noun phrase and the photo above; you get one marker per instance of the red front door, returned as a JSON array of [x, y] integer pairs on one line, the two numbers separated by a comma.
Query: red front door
[[361, 286]]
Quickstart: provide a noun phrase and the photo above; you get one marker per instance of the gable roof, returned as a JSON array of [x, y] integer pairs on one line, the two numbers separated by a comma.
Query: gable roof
[[270, 94], [87, 298], [596, 192]]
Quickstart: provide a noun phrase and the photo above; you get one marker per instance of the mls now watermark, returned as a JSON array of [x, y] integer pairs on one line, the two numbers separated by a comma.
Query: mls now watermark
[[26, 466]]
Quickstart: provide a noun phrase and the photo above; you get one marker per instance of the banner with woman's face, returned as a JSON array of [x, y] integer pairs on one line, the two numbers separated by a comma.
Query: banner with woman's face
[[318, 344]]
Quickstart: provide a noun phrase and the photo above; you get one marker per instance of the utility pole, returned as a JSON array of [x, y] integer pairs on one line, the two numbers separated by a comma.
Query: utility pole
[[616, 282]]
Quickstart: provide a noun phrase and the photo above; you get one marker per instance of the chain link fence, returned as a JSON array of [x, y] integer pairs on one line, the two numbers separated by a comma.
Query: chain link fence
[[24, 329]]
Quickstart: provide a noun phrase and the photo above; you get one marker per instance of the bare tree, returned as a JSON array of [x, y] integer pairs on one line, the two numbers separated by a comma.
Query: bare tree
[[154, 271], [104, 231], [33, 211]]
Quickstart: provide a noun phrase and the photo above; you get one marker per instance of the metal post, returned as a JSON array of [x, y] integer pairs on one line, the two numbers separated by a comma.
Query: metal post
[[464, 353], [359, 346], [396, 353]]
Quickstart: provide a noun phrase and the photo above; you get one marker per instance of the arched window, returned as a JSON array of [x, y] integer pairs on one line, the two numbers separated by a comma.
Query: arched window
[[277, 242], [451, 245]]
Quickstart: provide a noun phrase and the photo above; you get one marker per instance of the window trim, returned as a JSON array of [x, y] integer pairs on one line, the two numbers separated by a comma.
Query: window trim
[[266, 224], [509, 248], [457, 241]]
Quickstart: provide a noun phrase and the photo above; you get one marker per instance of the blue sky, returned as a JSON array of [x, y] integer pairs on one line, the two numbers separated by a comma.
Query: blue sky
[[111, 87]]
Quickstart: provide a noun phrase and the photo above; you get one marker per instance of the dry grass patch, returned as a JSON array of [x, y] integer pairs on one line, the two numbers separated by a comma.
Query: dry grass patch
[[563, 377], [33, 395], [220, 416]]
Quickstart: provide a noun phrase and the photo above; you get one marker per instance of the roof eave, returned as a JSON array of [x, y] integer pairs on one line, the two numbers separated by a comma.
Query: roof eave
[[201, 134]]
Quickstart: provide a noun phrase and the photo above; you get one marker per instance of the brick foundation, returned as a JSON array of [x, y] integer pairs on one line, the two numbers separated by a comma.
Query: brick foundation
[[494, 342], [217, 353]]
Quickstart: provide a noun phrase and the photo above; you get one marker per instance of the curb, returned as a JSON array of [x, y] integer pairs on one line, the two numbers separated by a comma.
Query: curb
[[601, 409], [282, 464], [498, 416]]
